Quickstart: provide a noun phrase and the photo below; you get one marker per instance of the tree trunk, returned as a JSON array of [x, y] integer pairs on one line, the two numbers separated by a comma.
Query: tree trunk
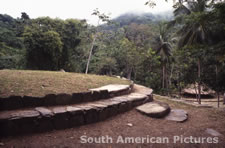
[[163, 80], [110, 71], [90, 54], [199, 83], [166, 81], [218, 94], [179, 86], [166, 77], [171, 75], [92, 46], [135, 74], [129, 73], [218, 99], [199, 93], [224, 98], [196, 93]]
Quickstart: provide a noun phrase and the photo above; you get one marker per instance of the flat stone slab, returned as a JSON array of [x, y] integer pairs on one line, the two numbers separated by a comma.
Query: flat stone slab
[[212, 132], [112, 88], [154, 109], [44, 111], [142, 90], [177, 115], [19, 114]]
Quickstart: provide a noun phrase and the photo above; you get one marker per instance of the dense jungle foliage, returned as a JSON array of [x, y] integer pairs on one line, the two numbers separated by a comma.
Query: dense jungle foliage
[[165, 52]]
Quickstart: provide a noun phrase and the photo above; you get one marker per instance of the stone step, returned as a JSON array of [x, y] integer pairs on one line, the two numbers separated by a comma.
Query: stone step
[[177, 115], [143, 90], [41, 119], [154, 109], [19, 102], [115, 89]]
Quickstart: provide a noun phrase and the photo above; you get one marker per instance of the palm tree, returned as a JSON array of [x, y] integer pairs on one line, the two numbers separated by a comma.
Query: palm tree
[[193, 30], [164, 50]]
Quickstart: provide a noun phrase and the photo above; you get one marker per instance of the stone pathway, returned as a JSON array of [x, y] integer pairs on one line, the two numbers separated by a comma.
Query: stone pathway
[[177, 115], [154, 109], [159, 110]]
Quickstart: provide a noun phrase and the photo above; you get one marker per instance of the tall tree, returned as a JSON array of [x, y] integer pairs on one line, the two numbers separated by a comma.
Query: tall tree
[[164, 50], [11, 44], [193, 30], [66, 39], [44, 49], [24, 16], [101, 17]]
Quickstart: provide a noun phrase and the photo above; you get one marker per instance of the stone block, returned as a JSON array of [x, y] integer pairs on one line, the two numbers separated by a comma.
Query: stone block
[[177, 115], [60, 118], [87, 96], [96, 95], [104, 94], [154, 109], [29, 101], [100, 94], [124, 106], [49, 100], [90, 114], [13, 102], [45, 122], [112, 107], [76, 116], [77, 98], [63, 99], [21, 122], [8, 128]]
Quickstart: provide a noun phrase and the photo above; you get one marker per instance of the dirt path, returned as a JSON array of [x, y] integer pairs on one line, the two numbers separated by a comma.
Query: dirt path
[[139, 126], [212, 102]]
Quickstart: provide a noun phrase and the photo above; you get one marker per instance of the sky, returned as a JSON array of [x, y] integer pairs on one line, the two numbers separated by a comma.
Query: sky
[[79, 9]]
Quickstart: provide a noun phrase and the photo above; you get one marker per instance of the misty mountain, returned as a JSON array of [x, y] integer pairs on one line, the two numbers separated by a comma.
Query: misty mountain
[[142, 18], [138, 18]]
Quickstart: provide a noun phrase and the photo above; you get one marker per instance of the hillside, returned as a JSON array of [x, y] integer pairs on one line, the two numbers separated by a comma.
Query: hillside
[[143, 18], [40, 83], [138, 18]]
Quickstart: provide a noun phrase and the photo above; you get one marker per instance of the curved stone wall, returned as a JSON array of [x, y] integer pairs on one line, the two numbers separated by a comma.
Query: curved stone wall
[[17, 102]]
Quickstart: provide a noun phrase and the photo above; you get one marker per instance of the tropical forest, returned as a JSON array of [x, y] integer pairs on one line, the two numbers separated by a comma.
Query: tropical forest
[[177, 54]]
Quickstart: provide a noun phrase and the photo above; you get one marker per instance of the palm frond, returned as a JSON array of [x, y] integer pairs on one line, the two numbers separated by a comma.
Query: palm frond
[[184, 38], [167, 48], [171, 24], [158, 50], [197, 6], [181, 9]]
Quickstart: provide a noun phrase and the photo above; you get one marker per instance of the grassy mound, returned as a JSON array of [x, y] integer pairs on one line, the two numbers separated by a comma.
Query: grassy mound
[[40, 83]]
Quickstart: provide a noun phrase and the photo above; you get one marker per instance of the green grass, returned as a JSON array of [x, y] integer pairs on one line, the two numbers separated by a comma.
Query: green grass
[[40, 83]]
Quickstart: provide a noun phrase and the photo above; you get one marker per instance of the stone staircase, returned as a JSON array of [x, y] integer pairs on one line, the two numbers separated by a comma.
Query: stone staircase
[[22, 115]]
